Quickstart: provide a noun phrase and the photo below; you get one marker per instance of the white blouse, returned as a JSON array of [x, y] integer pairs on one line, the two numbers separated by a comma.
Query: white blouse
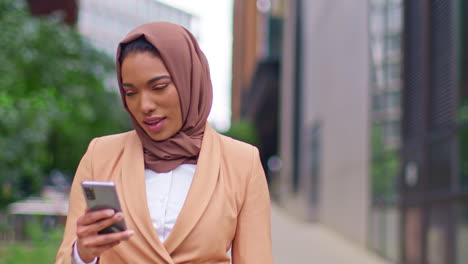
[[166, 193]]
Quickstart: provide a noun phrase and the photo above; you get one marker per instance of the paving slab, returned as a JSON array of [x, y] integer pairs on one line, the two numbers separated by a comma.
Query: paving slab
[[299, 242]]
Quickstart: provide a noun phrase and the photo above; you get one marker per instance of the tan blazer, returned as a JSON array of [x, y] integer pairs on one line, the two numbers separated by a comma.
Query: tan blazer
[[228, 202]]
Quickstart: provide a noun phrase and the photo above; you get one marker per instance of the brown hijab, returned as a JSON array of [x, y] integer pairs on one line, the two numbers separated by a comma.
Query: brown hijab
[[189, 70]]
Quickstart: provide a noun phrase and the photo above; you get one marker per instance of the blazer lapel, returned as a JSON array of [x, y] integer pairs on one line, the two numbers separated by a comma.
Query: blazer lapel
[[134, 190], [201, 190]]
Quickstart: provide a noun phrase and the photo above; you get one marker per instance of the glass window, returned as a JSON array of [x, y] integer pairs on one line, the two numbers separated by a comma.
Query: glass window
[[462, 111], [394, 16], [462, 233], [393, 42], [385, 231], [392, 229], [392, 99], [376, 105], [437, 234], [413, 231], [392, 70], [385, 49], [376, 237], [463, 155], [392, 132]]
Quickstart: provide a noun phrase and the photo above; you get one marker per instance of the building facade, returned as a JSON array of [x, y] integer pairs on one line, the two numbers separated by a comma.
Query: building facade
[[324, 117], [432, 183], [372, 123], [106, 22], [67, 10]]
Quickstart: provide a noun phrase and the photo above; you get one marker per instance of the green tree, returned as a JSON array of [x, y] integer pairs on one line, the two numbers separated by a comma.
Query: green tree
[[243, 130], [53, 99], [384, 166]]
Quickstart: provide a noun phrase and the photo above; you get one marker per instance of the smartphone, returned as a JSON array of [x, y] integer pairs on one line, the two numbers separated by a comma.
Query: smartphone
[[103, 195]]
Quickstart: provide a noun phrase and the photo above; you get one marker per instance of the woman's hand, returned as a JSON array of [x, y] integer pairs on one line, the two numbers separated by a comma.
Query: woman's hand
[[90, 244]]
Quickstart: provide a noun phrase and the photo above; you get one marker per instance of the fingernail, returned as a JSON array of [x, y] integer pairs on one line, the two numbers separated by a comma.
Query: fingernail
[[110, 212], [130, 232]]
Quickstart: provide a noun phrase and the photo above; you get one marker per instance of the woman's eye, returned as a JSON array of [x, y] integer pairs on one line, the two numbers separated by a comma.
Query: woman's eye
[[129, 93], [160, 86]]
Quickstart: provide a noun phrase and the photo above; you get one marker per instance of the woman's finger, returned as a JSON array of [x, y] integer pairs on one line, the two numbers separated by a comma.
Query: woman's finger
[[99, 241], [93, 216], [93, 228]]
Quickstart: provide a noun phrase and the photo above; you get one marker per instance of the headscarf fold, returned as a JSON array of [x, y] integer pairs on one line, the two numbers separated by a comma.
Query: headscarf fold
[[189, 71]]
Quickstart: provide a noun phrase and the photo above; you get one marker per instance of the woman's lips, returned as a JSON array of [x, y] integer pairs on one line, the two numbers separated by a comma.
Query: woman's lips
[[154, 124]]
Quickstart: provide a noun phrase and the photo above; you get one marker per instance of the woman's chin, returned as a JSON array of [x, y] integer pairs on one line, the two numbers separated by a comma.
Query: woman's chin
[[158, 137]]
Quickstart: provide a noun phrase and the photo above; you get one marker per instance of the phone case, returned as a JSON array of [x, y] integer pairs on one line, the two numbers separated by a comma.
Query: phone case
[[103, 195]]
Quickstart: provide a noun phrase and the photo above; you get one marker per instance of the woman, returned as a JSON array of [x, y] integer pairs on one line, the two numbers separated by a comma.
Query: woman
[[188, 194]]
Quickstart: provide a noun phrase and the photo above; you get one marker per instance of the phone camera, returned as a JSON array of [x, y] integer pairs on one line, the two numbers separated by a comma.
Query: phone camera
[[89, 194]]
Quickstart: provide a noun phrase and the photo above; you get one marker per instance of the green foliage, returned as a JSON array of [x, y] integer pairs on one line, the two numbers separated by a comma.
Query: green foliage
[[52, 99], [41, 249], [243, 130], [384, 167]]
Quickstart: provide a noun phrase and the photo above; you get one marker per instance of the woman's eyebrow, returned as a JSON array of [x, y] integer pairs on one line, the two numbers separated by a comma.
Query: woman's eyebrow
[[157, 79]]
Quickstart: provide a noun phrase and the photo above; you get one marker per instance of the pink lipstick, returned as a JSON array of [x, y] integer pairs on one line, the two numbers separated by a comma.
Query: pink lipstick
[[154, 124]]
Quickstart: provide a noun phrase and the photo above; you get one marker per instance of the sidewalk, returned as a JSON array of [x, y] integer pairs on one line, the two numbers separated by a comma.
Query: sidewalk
[[296, 242]]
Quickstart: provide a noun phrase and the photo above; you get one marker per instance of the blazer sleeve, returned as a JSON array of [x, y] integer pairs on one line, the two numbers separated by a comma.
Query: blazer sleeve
[[76, 207], [252, 241]]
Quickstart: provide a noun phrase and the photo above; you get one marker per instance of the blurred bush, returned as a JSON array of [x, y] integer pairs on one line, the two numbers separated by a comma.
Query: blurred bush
[[243, 130], [40, 248], [52, 99]]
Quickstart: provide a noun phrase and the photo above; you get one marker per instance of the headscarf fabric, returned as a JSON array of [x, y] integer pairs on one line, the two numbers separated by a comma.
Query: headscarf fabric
[[189, 71]]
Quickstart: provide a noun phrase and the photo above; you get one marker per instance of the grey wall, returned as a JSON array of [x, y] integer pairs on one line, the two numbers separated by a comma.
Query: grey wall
[[335, 80]]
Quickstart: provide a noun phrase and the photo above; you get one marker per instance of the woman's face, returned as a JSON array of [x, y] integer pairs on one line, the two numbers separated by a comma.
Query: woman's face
[[151, 96]]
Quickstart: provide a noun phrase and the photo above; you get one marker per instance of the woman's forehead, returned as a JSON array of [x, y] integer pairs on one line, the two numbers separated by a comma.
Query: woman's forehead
[[143, 65]]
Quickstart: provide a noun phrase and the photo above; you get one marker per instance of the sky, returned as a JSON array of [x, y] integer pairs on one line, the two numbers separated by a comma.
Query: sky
[[215, 39]]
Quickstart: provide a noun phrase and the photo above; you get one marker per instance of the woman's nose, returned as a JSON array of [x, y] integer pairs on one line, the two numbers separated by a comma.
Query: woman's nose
[[148, 104]]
